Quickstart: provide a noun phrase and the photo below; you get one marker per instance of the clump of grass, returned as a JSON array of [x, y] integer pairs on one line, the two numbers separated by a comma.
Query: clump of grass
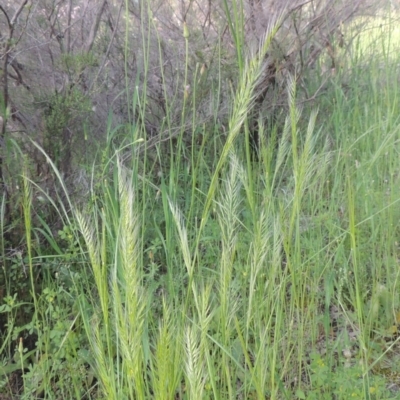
[[276, 279]]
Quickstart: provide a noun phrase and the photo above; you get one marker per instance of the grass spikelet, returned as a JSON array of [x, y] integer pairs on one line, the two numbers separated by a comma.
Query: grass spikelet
[[228, 218], [102, 360], [194, 366], [167, 355], [242, 105], [129, 299], [257, 257], [128, 235], [183, 238]]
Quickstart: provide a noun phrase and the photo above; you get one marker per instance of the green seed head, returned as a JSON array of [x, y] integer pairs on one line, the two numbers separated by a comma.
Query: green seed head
[[185, 31]]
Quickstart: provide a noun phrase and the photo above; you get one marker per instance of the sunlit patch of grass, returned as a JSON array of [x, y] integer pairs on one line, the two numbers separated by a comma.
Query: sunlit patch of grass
[[376, 37]]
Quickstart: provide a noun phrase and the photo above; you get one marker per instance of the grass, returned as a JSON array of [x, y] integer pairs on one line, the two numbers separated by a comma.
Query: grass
[[195, 278]]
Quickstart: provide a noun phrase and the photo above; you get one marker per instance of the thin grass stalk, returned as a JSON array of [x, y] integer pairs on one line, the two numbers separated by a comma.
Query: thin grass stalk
[[293, 214], [177, 150], [206, 315], [358, 300], [168, 239], [186, 35], [250, 168], [136, 138], [245, 350], [140, 97], [27, 204], [260, 373], [305, 170], [262, 301], [195, 157], [169, 104], [281, 356], [126, 59], [2, 247], [236, 27], [61, 208], [216, 94], [276, 299]]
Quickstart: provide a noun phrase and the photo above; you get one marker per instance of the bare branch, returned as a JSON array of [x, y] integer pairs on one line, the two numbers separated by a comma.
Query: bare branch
[[16, 15], [68, 31], [6, 15], [108, 49], [95, 27]]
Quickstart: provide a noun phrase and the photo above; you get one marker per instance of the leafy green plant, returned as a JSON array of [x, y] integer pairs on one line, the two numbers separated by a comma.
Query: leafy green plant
[[344, 381]]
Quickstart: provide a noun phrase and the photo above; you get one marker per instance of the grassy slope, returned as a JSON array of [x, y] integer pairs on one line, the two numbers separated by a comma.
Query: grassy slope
[[216, 280]]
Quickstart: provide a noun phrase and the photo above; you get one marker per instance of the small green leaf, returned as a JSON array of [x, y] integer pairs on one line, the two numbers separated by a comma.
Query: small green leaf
[[300, 394]]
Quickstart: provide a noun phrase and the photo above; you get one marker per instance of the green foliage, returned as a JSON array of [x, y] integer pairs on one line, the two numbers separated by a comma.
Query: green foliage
[[72, 246], [63, 122], [75, 64], [192, 271], [62, 109], [345, 382]]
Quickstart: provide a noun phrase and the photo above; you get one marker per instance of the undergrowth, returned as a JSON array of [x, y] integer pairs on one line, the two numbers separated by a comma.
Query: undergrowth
[[194, 270]]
